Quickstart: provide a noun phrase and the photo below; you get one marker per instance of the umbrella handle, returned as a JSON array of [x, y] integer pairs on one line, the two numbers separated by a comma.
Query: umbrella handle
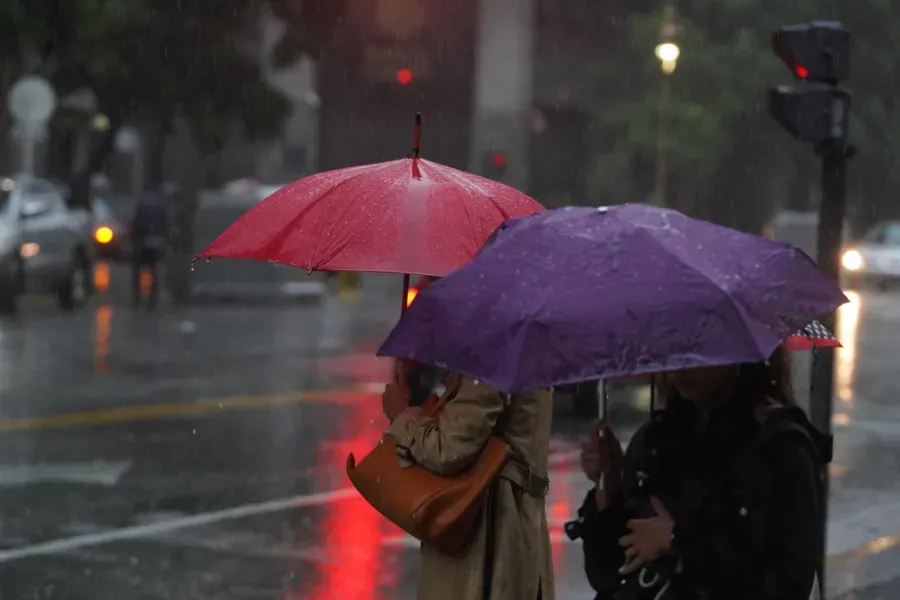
[[604, 414], [417, 135], [603, 400]]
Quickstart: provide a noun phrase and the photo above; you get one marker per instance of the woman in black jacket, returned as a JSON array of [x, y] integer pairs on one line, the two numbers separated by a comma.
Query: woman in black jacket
[[718, 497]]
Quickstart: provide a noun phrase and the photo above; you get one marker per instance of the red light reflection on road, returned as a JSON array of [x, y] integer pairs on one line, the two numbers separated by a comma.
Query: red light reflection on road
[[354, 566], [102, 324], [561, 510]]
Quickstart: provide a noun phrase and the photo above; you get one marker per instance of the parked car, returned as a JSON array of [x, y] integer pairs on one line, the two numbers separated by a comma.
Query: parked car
[[44, 246], [876, 258], [800, 229], [110, 234]]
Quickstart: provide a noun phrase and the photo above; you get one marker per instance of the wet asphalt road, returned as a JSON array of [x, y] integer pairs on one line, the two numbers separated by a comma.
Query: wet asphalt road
[[199, 452]]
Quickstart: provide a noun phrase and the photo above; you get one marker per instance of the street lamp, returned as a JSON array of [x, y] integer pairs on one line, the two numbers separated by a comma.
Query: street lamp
[[668, 54], [100, 123]]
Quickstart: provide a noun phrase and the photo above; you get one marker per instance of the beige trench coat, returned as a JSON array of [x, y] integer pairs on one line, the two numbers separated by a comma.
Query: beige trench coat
[[521, 562]]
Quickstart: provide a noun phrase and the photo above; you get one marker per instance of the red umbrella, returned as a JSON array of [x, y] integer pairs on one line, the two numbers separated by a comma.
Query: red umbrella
[[408, 216], [814, 335]]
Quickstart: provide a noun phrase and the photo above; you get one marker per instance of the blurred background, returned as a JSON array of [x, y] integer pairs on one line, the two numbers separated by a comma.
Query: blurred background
[[196, 451]]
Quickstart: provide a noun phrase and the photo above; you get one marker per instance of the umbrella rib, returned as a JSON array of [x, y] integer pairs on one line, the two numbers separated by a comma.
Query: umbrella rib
[[468, 183]]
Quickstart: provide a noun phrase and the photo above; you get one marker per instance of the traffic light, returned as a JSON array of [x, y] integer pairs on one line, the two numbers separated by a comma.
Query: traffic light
[[494, 165], [404, 76], [818, 53], [816, 114]]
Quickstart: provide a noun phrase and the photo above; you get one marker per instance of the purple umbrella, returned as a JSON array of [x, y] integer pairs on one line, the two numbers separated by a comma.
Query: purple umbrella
[[576, 294]]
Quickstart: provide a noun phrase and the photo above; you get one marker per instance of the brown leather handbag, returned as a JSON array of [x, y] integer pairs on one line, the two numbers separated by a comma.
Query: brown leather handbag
[[439, 510]]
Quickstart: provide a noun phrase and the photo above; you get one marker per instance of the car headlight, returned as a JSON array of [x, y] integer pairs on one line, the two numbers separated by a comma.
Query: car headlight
[[104, 235], [29, 250], [852, 260]]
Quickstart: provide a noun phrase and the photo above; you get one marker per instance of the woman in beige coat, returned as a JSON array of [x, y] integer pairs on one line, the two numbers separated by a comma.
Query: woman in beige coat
[[509, 556]]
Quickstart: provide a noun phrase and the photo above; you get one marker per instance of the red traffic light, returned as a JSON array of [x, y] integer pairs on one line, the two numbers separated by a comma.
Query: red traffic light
[[498, 159], [816, 51], [404, 76]]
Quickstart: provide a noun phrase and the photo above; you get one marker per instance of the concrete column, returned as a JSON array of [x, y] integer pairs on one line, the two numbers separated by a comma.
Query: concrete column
[[503, 85]]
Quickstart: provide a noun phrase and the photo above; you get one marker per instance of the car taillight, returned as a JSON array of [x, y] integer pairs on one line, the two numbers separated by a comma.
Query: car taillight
[[104, 235], [411, 295]]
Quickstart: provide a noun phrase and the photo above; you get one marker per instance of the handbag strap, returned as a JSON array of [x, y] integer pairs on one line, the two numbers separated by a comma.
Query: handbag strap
[[451, 387], [516, 470]]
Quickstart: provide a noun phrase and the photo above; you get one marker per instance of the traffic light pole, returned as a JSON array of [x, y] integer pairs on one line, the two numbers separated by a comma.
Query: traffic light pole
[[830, 237], [834, 155], [819, 53]]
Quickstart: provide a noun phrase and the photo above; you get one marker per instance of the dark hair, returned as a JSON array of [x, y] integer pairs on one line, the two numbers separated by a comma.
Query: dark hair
[[757, 384], [769, 380]]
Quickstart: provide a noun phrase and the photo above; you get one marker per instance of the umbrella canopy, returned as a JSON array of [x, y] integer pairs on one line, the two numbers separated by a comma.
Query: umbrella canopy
[[406, 216], [577, 294], [813, 335]]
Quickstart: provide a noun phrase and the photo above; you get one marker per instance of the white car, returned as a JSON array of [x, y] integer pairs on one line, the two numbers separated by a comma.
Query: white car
[[45, 247], [876, 258]]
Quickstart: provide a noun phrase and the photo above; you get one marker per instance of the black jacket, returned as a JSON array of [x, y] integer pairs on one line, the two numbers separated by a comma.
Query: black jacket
[[746, 498]]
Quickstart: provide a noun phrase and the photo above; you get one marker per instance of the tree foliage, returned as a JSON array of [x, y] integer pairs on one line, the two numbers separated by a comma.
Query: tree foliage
[[312, 25], [162, 57], [727, 159]]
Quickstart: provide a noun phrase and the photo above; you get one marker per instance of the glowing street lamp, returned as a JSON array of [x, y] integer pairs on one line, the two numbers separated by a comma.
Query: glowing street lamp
[[668, 54], [101, 123]]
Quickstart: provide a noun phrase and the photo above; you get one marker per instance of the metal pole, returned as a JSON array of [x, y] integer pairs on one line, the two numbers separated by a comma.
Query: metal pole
[[503, 84], [830, 236], [667, 35], [27, 150], [662, 142]]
